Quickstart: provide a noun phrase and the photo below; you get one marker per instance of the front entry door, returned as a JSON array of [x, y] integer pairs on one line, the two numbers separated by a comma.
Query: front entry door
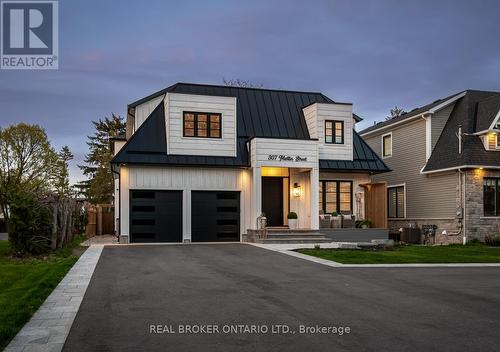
[[272, 200]]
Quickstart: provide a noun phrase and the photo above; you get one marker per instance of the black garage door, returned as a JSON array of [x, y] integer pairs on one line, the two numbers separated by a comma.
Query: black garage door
[[215, 216], [155, 216]]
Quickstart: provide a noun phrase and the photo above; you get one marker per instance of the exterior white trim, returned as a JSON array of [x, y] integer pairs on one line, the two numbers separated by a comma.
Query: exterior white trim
[[404, 188], [382, 145], [447, 102], [495, 121], [460, 167], [428, 136], [430, 111]]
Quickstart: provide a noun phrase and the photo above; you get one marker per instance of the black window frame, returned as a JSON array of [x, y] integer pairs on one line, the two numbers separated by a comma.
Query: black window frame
[[195, 121], [496, 196], [337, 190], [333, 122], [403, 187]]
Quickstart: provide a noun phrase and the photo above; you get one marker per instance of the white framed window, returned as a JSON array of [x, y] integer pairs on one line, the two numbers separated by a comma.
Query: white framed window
[[497, 144], [387, 145], [396, 201]]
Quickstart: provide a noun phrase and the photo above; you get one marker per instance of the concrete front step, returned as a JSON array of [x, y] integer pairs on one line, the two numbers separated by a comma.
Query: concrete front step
[[310, 239], [294, 235]]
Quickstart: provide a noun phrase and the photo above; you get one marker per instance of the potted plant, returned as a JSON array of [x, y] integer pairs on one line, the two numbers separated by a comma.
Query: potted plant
[[366, 224], [336, 220], [292, 220]]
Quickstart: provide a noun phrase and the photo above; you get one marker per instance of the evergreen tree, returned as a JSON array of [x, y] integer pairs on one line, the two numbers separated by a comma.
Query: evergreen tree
[[62, 177], [99, 186]]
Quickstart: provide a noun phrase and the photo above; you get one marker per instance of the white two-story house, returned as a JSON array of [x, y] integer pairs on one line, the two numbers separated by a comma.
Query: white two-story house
[[200, 163]]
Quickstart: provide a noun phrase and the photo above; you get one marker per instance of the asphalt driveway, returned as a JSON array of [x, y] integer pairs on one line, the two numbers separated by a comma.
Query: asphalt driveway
[[226, 285]]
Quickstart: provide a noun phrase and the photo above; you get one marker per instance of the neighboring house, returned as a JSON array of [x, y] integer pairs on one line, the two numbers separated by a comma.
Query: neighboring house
[[202, 162], [445, 161]]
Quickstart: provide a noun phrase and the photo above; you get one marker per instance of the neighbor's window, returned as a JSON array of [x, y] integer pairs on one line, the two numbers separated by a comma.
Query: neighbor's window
[[335, 196], [202, 124], [396, 202], [491, 196], [387, 145], [334, 132]]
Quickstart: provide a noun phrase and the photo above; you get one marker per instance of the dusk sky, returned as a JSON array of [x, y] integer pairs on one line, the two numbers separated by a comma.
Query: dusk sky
[[375, 54]]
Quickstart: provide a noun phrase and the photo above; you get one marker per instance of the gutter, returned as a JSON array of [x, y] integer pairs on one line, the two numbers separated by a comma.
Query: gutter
[[459, 168]]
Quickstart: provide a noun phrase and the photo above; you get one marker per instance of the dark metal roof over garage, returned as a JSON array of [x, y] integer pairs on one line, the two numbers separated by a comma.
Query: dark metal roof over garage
[[260, 113]]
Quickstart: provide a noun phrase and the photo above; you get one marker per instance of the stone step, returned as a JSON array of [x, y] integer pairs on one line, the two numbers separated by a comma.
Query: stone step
[[296, 240], [294, 235]]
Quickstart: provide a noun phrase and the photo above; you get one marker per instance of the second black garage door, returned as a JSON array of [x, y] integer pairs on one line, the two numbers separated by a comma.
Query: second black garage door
[[155, 216], [215, 216]]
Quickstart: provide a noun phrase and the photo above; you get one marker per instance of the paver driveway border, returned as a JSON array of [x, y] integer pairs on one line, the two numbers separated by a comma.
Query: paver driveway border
[[49, 327]]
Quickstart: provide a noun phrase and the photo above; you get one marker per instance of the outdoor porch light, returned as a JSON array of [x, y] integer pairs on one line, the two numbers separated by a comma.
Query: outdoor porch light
[[296, 189]]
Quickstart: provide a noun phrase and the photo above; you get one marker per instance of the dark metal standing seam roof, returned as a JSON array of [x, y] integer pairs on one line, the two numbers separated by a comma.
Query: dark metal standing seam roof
[[260, 113]]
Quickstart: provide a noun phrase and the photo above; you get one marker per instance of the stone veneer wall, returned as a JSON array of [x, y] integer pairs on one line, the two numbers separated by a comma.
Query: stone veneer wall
[[476, 224]]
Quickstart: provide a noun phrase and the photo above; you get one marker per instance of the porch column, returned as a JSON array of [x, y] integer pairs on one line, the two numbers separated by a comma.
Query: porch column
[[256, 196], [314, 179]]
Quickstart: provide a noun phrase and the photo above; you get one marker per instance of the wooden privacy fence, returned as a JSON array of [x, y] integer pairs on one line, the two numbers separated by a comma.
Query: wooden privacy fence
[[376, 203], [100, 220]]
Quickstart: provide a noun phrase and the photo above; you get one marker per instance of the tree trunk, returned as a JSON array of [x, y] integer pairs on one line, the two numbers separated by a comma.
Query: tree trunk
[[64, 222], [69, 236], [53, 243]]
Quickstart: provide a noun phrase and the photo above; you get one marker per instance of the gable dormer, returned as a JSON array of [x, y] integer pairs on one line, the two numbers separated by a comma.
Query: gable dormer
[[332, 124], [200, 124]]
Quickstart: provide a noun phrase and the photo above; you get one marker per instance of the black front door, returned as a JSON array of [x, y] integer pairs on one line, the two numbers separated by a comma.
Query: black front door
[[272, 200]]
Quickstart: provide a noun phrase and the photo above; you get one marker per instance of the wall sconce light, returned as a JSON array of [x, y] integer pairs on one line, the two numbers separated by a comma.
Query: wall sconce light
[[296, 190]]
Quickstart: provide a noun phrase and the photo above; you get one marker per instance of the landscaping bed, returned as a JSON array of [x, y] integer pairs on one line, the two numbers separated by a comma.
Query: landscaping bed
[[25, 283], [471, 253]]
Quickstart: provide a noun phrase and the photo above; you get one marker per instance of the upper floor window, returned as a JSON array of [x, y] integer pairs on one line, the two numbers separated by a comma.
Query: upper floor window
[[396, 202], [387, 145], [491, 196], [202, 124], [334, 132]]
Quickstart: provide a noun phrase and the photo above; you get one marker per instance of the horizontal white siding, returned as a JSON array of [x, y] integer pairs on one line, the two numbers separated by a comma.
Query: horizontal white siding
[[186, 180], [176, 104], [261, 148], [143, 110], [311, 120], [315, 116]]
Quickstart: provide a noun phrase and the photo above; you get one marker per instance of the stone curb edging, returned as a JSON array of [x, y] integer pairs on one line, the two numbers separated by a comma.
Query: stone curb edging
[[289, 251], [49, 327]]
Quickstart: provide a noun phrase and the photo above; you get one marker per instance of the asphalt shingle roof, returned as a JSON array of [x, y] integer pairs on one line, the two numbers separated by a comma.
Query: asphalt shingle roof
[[474, 113]]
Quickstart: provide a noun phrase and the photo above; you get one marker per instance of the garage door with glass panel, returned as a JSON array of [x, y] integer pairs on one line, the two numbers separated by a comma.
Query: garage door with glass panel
[[215, 216], [155, 216]]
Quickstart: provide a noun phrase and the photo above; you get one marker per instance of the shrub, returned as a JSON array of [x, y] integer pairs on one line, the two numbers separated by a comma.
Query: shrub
[[492, 240], [364, 223], [292, 215], [335, 213], [29, 224]]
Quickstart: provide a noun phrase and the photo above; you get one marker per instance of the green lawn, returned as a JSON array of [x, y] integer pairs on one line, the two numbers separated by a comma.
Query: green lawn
[[473, 253], [26, 283]]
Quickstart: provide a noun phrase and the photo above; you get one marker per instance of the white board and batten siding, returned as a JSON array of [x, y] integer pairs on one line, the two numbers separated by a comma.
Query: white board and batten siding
[[176, 104], [316, 114], [186, 179], [142, 111], [277, 152]]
